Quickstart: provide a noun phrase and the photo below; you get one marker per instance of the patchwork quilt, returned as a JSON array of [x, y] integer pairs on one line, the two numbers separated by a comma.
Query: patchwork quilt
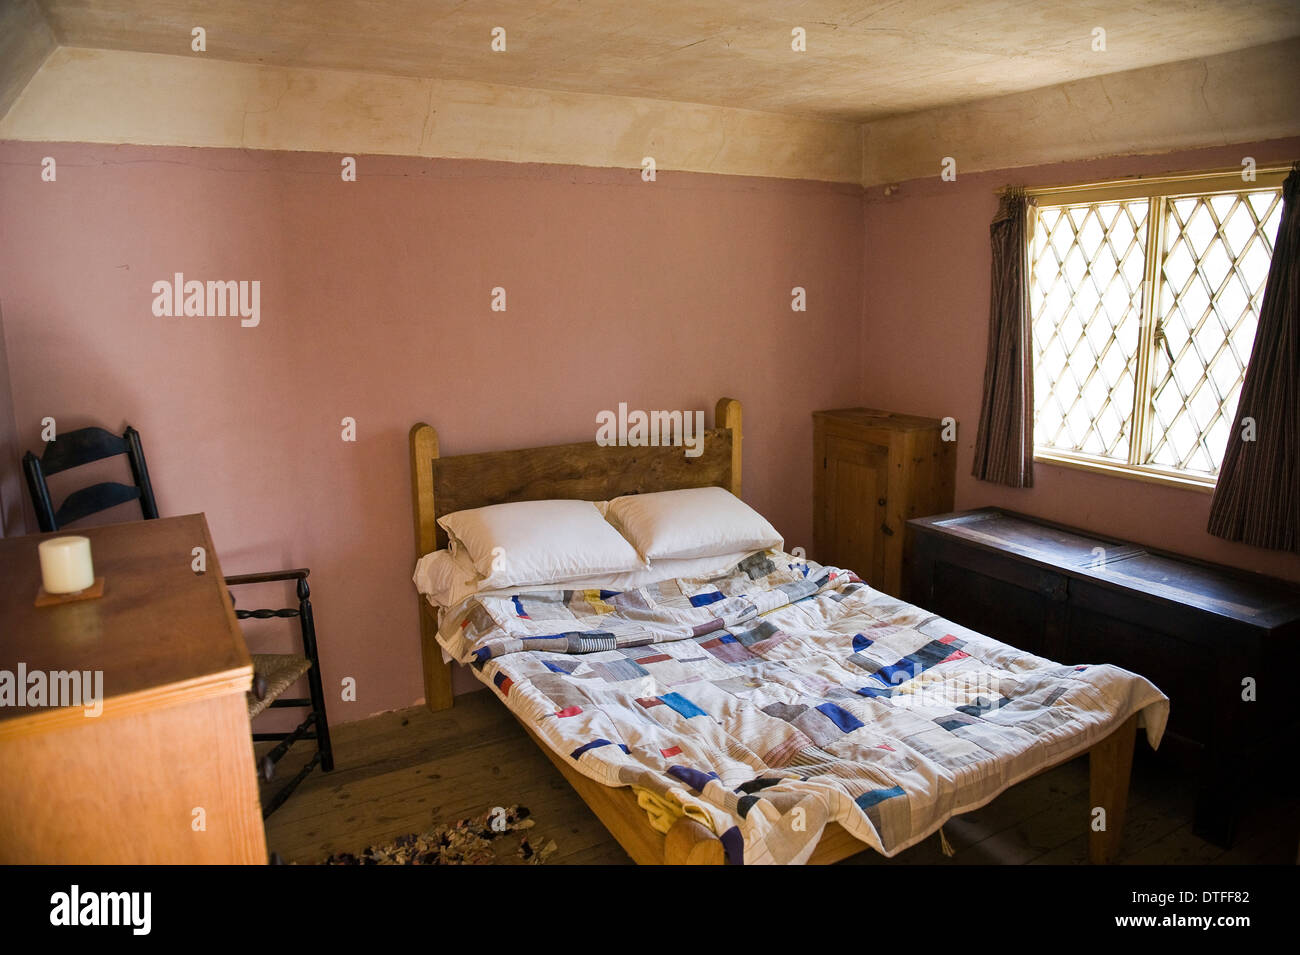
[[784, 695]]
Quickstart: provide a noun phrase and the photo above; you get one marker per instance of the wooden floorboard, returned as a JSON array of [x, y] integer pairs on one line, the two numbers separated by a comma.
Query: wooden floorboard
[[411, 770]]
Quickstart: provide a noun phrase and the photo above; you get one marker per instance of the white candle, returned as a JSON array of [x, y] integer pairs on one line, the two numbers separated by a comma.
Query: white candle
[[65, 565]]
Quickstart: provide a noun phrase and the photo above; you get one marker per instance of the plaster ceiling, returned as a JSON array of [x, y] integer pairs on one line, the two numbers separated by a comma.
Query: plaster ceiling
[[864, 59]]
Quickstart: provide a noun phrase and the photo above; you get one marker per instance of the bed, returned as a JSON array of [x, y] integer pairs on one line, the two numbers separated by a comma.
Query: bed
[[781, 712]]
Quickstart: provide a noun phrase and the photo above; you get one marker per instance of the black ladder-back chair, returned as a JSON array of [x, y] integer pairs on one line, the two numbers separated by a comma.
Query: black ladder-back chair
[[273, 673], [74, 449]]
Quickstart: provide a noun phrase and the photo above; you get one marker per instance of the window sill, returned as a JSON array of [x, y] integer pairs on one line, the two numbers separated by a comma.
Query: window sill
[[1148, 475]]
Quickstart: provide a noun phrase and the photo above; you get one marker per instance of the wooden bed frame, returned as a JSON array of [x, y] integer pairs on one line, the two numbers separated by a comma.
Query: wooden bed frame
[[589, 471]]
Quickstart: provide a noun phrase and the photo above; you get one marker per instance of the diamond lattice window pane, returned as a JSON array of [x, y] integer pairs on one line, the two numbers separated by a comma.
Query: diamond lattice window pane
[[1213, 269], [1085, 298]]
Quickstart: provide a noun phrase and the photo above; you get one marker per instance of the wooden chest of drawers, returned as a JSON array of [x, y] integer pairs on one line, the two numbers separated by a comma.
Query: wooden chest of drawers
[[1212, 638], [164, 774]]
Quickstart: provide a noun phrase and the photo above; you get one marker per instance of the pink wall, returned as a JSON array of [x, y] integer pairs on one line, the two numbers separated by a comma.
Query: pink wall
[[375, 305], [926, 282]]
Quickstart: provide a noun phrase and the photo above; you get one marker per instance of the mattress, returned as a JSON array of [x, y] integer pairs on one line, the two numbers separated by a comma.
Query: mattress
[[783, 695]]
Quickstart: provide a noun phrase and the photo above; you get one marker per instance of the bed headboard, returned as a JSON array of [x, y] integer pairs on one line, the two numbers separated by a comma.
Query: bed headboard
[[584, 471]]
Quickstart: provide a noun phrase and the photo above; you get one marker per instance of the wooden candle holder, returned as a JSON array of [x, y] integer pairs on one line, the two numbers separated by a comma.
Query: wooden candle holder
[[44, 599]]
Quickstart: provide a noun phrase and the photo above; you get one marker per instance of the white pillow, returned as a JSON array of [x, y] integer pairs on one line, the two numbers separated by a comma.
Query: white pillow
[[669, 568], [447, 579], [535, 542], [694, 522]]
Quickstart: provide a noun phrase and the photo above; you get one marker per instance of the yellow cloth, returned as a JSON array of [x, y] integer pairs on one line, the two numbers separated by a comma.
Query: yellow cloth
[[663, 811], [594, 601]]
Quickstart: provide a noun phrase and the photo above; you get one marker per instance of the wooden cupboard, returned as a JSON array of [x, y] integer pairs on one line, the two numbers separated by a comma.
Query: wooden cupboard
[[872, 472]]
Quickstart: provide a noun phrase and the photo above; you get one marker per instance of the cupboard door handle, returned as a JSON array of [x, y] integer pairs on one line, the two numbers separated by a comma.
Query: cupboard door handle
[[880, 502], [884, 529]]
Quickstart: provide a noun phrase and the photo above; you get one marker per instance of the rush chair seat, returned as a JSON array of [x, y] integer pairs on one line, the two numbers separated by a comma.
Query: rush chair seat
[[273, 673]]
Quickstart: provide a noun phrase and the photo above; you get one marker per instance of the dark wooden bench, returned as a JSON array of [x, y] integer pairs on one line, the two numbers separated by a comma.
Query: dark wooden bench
[[1209, 636]]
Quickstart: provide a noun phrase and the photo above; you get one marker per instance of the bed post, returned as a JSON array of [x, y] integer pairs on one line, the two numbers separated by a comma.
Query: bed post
[[437, 674], [727, 415], [1109, 765], [691, 843]]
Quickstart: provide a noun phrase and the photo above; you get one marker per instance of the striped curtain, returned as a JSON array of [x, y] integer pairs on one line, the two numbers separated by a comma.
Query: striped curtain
[[1004, 443], [1257, 498]]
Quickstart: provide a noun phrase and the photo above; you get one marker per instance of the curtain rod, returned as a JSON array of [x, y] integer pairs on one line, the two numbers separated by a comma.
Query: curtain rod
[[1268, 169]]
